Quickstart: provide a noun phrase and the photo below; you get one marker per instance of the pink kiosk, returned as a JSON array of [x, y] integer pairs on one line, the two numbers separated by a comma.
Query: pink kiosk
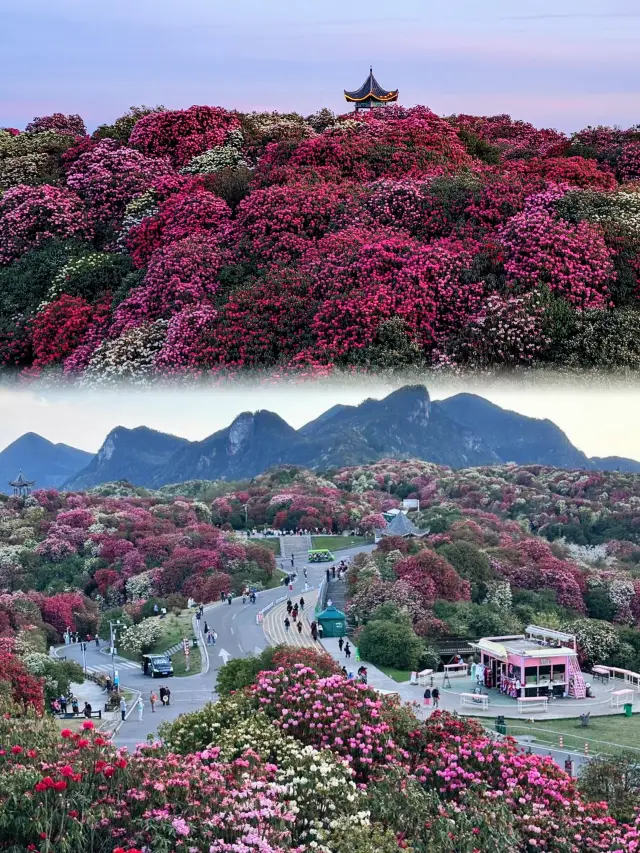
[[539, 663]]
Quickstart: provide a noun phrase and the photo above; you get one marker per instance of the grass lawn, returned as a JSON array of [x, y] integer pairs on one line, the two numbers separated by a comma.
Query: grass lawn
[[399, 675], [607, 734], [337, 543], [178, 661], [273, 544]]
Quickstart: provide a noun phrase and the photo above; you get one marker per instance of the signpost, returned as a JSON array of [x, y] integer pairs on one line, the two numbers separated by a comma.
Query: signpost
[[185, 646]]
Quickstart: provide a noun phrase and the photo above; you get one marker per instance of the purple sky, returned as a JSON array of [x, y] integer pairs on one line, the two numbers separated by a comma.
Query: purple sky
[[563, 69]]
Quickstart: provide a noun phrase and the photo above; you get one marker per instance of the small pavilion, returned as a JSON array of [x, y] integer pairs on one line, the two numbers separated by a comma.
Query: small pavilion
[[400, 525], [21, 487], [370, 95]]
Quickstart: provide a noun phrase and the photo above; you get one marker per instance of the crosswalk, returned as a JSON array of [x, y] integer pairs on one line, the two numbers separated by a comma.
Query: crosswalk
[[107, 669]]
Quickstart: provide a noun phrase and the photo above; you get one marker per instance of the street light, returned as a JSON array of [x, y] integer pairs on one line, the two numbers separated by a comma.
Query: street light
[[112, 635]]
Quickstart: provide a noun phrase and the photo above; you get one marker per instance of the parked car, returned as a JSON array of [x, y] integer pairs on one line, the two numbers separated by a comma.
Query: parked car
[[157, 666]]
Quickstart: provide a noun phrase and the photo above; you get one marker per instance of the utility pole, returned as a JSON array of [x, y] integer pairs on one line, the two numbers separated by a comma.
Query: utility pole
[[246, 517]]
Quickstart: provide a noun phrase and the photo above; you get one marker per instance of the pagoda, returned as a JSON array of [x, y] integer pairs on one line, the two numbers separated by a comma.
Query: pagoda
[[21, 487], [370, 94]]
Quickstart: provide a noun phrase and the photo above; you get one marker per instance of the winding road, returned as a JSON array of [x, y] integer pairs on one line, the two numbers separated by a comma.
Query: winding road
[[239, 634]]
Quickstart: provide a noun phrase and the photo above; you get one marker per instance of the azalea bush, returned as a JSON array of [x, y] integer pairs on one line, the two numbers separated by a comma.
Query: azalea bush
[[391, 241]]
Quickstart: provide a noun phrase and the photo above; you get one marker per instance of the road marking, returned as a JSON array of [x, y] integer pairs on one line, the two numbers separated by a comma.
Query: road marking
[[224, 654], [231, 629]]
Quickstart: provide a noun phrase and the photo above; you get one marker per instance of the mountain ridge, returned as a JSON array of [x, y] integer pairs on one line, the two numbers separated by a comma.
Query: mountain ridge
[[462, 431]]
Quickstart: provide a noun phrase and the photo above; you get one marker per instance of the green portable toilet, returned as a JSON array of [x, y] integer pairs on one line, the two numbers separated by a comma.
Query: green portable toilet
[[333, 621]]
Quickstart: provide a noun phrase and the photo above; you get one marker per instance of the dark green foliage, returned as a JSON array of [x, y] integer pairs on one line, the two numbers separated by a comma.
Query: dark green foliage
[[232, 185], [105, 274], [128, 283], [599, 605], [391, 351], [471, 564], [41, 574], [616, 780], [24, 283], [241, 672], [479, 148], [391, 644], [466, 619]]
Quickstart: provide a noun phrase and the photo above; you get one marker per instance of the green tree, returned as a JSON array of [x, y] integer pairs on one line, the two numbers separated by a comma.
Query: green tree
[[391, 644], [616, 780]]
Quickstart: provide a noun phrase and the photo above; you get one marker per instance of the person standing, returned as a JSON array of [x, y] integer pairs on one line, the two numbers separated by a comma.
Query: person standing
[[299, 627], [167, 693], [341, 643], [229, 598], [287, 624], [206, 628], [289, 606], [97, 642], [214, 637], [123, 708], [333, 572], [301, 604], [140, 707], [427, 697], [153, 698], [435, 693], [314, 632], [293, 561], [163, 695], [347, 650], [328, 573], [87, 710]]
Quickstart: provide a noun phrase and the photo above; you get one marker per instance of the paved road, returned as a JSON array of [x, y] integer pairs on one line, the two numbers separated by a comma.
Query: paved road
[[239, 634]]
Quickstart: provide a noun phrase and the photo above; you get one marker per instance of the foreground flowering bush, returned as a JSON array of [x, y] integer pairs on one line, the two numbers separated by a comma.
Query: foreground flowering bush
[[399, 240]]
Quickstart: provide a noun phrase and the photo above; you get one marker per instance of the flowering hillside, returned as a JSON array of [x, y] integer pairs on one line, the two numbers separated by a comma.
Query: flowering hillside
[[297, 761], [70, 561], [203, 240]]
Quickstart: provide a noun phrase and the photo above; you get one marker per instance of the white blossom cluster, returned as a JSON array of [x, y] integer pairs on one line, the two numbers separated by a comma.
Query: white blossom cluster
[[139, 638], [131, 356], [140, 587], [74, 267]]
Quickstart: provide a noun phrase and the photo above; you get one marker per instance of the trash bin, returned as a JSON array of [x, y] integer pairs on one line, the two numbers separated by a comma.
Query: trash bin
[[501, 726], [194, 642], [628, 709]]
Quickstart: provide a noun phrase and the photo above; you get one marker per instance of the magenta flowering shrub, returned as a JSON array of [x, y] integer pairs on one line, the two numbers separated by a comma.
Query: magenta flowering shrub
[[29, 216], [181, 134], [573, 260], [182, 214], [340, 240], [108, 176], [71, 125]]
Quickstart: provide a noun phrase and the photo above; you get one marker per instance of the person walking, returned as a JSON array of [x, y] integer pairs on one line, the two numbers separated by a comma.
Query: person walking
[[293, 561], [214, 637], [229, 598], [333, 572], [314, 632], [341, 643], [347, 650], [97, 642], [294, 613], [123, 708], [305, 573], [427, 697], [87, 710], [301, 604], [222, 597], [167, 693], [287, 624], [206, 628], [299, 627], [140, 707], [153, 698], [328, 573], [435, 695], [289, 606], [163, 695]]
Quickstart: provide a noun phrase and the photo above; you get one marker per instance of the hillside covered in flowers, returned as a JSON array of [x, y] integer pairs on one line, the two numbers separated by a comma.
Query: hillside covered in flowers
[[207, 240]]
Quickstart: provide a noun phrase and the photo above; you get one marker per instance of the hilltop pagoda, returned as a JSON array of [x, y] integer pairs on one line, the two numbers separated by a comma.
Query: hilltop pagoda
[[21, 487], [370, 94]]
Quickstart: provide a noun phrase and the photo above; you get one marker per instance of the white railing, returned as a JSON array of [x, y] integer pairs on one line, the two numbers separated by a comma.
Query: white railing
[[628, 676]]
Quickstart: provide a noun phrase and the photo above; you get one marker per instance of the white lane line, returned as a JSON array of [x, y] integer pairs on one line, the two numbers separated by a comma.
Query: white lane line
[[231, 629]]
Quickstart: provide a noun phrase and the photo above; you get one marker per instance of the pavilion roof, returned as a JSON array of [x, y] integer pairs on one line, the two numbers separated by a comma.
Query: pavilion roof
[[20, 481], [401, 525], [371, 90]]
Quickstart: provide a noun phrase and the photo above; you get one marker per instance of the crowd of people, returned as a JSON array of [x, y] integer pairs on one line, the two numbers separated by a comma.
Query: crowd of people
[[69, 704]]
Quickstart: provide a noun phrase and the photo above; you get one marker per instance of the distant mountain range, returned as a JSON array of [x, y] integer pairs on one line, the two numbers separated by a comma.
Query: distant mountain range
[[462, 431], [50, 465]]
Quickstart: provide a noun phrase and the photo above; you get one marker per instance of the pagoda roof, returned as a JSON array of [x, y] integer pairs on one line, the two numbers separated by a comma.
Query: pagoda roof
[[20, 481], [402, 525], [371, 90]]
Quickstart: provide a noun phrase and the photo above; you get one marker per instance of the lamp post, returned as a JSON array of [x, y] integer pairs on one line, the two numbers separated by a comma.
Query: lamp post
[[246, 518], [112, 634]]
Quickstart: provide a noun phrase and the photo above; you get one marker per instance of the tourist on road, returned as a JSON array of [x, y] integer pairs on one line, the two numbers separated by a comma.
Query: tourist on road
[[328, 573], [198, 616], [97, 642], [289, 606], [108, 685], [206, 627], [435, 695], [299, 627], [287, 624], [333, 572], [301, 604], [87, 710], [214, 637], [294, 613], [344, 671], [314, 632], [229, 598], [427, 696], [347, 650], [304, 572], [123, 708], [293, 562], [153, 698], [140, 707], [167, 693], [163, 695], [222, 597], [341, 643]]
